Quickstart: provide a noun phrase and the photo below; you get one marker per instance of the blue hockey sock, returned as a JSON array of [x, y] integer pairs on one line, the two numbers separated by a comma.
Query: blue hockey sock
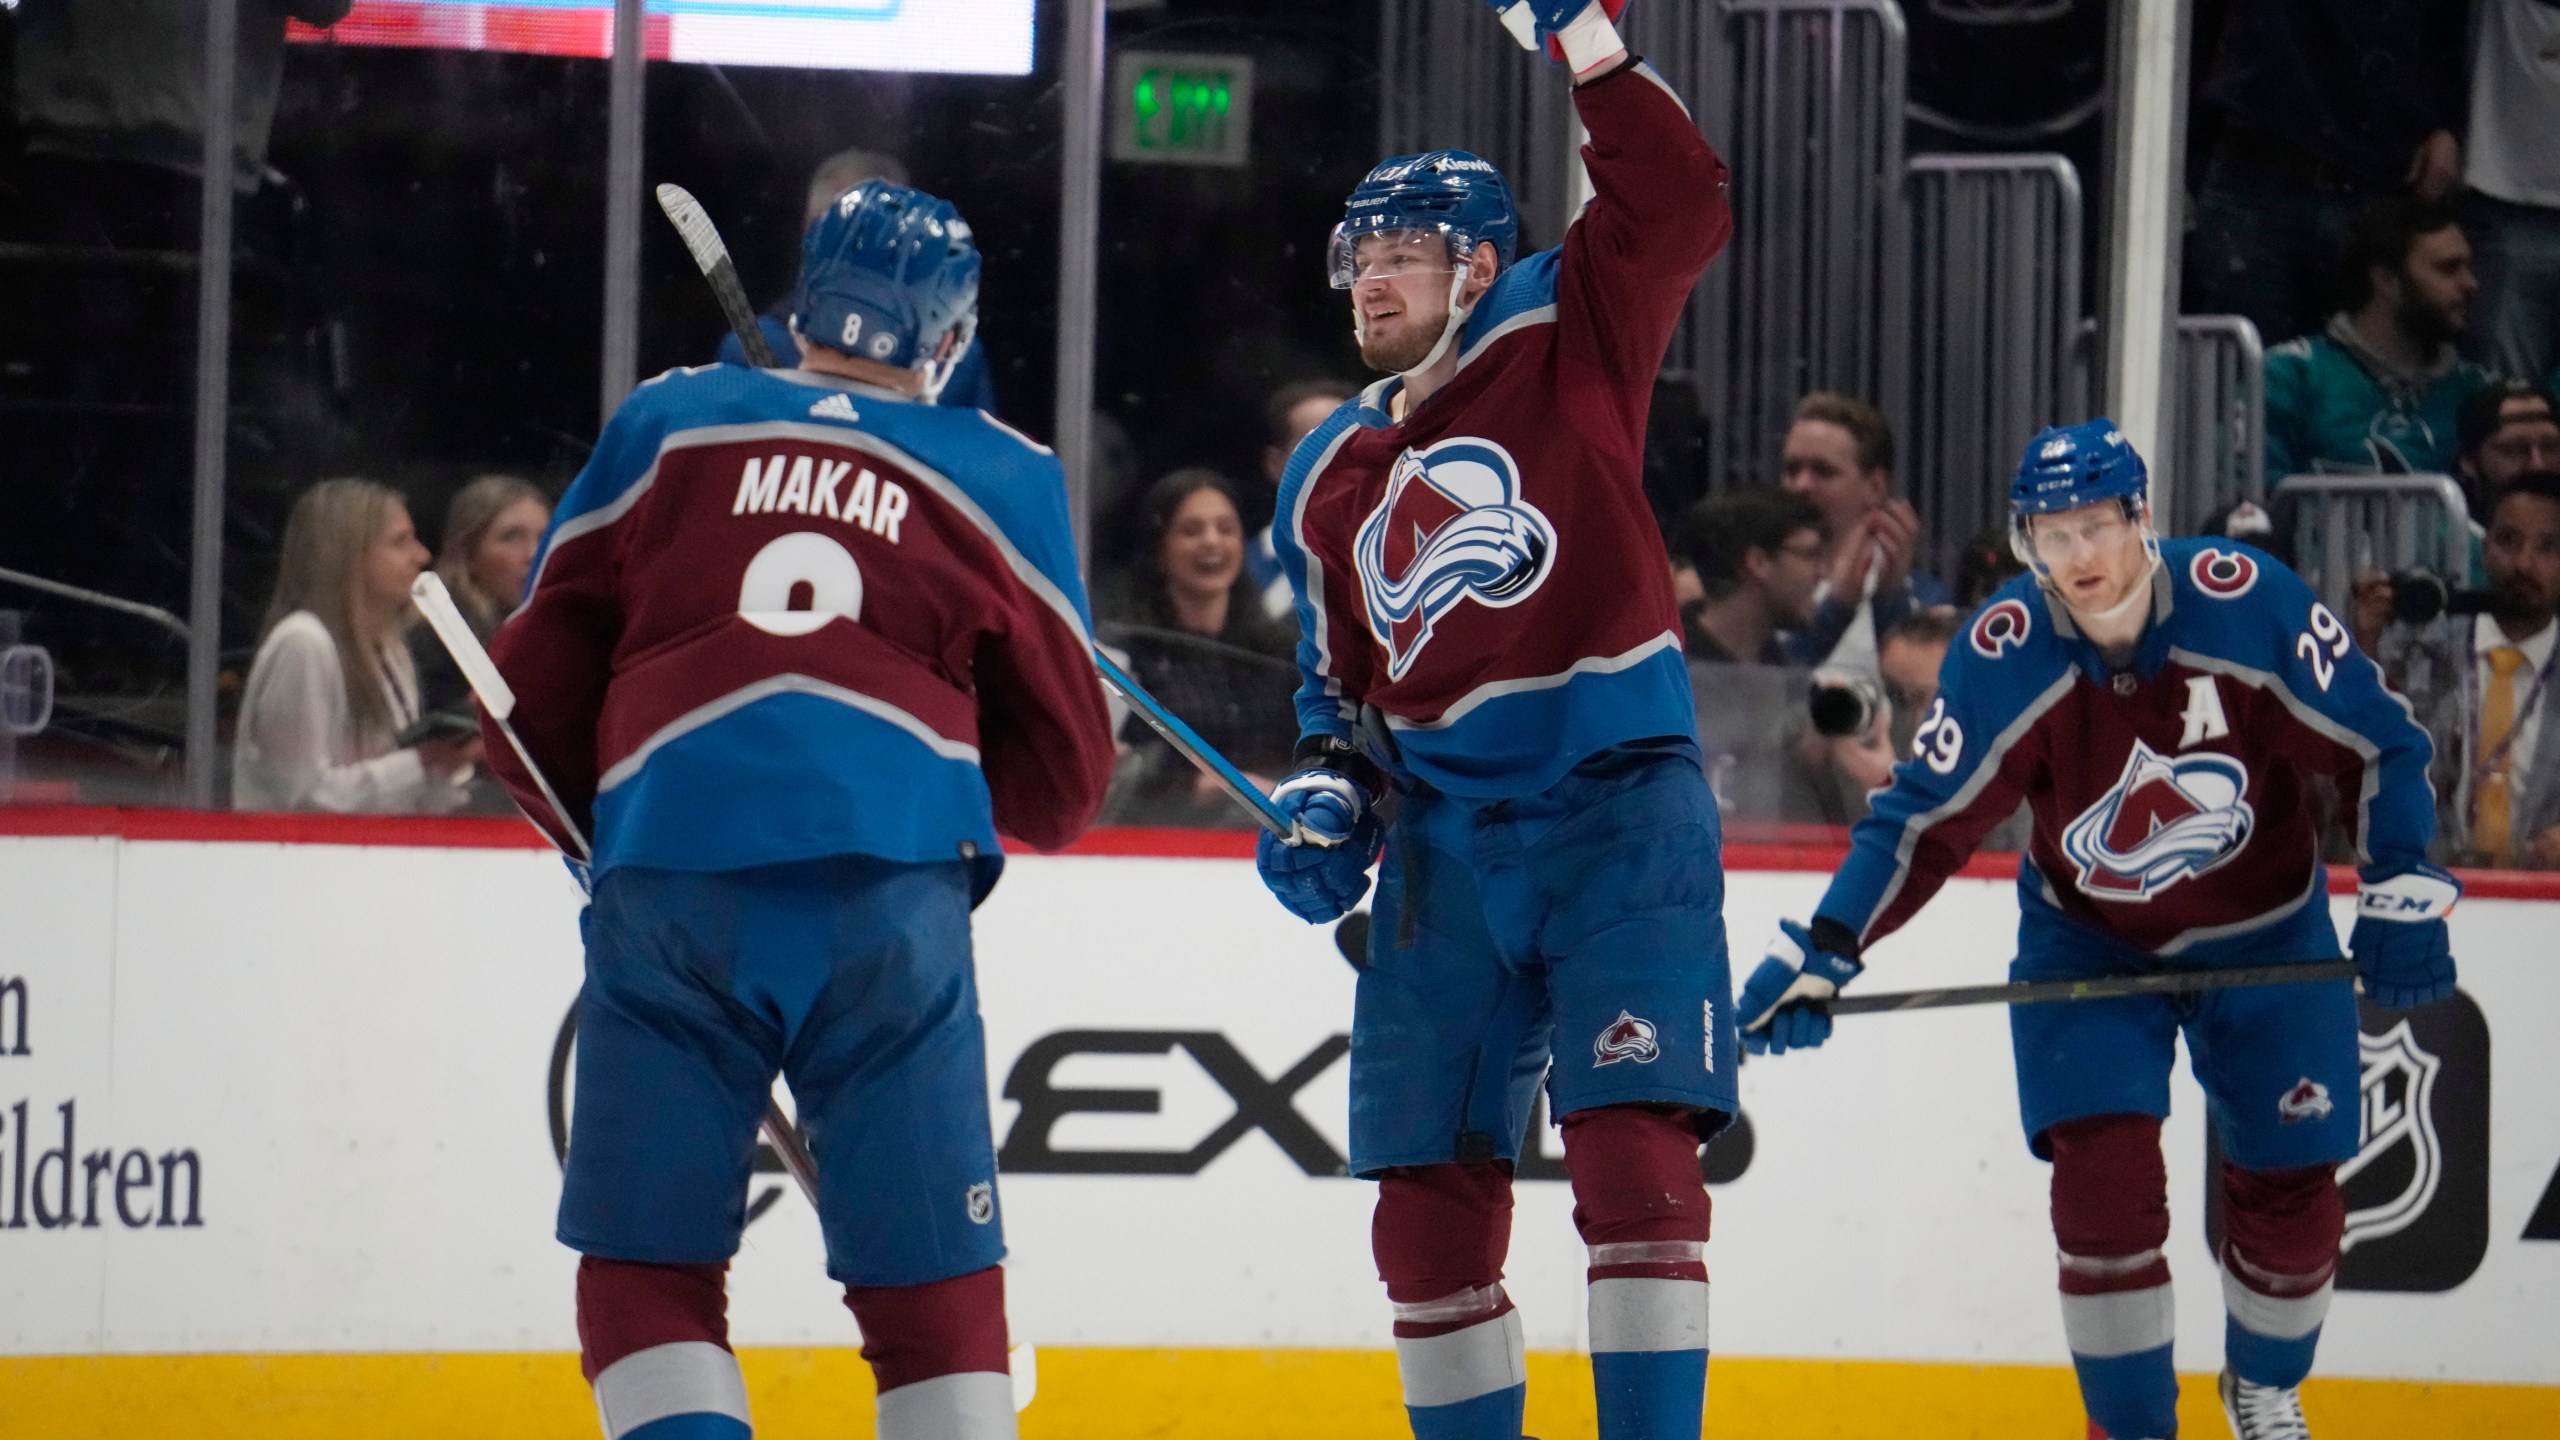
[[2121, 1347], [1469, 1384], [1649, 1351], [689, 1390], [2270, 1339]]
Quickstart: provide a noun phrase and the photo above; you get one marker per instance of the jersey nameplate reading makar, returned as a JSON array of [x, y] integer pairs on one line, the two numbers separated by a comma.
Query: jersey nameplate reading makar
[[1451, 527]]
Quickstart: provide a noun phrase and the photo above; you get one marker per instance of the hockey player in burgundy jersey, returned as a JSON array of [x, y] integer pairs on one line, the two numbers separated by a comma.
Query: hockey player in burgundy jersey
[[1488, 635], [2162, 708], [799, 646]]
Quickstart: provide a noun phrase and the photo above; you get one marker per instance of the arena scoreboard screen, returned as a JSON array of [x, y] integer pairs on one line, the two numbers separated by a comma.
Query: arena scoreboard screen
[[978, 37]]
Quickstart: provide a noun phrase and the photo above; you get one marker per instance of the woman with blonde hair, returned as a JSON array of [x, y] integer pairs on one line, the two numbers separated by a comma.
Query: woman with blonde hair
[[491, 532], [333, 688]]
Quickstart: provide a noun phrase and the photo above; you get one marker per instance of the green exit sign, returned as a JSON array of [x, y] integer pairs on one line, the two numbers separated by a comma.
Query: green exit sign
[[1181, 108]]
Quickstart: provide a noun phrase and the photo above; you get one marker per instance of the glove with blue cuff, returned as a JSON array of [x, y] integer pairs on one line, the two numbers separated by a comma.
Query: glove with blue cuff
[[2401, 943], [1803, 965], [1578, 32], [1322, 869]]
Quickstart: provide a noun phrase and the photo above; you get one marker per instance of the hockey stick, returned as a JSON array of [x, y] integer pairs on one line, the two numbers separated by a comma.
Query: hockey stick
[[711, 254], [1188, 744], [499, 699], [2105, 987]]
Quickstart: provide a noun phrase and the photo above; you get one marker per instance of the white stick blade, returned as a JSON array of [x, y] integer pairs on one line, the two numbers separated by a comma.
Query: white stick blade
[[693, 223], [478, 670]]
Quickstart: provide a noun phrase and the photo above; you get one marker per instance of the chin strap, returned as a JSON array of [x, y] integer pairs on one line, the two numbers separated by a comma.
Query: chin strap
[[1448, 333], [2141, 593], [934, 375]]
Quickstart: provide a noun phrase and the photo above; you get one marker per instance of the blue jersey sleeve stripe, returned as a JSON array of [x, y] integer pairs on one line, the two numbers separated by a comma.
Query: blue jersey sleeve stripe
[[1321, 707], [784, 684], [1524, 296], [1592, 665], [1986, 769], [2337, 733]]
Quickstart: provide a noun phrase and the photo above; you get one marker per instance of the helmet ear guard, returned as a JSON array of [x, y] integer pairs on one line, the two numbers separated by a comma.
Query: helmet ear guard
[[886, 274]]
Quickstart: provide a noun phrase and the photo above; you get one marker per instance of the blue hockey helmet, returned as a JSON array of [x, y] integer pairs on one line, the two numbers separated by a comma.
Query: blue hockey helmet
[[2068, 466], [886, 272], [1460, 196]]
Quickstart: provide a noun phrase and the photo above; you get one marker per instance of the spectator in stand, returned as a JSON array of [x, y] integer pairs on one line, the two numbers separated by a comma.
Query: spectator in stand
[[2324, 107], [2513, 169], [1907, 659], [491, 530], [1986, 563], [2483, 685], [332, 692], [2379, 390], [1839, 455], [1910, 655], [1192, 626], [1293, 411], [972, 385], [1757, 556], [2508, 429], [1192, 577]]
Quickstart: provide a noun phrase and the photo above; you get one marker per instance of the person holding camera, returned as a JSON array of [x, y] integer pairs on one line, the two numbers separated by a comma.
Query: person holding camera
[[2478, 669]]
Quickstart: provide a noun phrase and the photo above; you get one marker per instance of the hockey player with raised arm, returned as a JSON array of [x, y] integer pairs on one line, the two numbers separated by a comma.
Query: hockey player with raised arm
[[799, 645], [2162, 708], [1493, 692]]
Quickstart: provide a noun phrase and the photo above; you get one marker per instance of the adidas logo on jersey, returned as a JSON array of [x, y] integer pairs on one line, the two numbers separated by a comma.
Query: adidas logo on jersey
[[835, 407]]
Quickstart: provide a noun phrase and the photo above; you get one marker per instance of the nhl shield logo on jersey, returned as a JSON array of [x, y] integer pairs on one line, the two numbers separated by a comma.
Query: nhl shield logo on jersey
[[1625, 1038], [2168, 818], [1451, 527]]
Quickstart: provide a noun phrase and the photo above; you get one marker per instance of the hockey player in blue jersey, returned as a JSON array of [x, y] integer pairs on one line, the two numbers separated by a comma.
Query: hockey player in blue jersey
[[798, 646], [2162, 709], [1488, 635]]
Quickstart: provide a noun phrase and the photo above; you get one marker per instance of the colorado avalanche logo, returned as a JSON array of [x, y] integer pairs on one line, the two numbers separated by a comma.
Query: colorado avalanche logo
[[1452, 526], [2168, 818], [1626, 1038], [2223, 574]]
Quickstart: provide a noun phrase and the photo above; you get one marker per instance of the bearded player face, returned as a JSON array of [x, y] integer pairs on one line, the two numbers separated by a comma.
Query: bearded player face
[[1400, 294]]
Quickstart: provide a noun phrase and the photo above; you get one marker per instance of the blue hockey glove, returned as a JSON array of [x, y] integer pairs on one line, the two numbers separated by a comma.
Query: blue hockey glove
[[1322, 870], [1578, 32], [1773, 1010], [2401, 942]]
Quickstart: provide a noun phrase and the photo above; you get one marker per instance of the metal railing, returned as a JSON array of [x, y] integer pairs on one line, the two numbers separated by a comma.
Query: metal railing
[[2217, 442], [2340, 526], [1804, 98], [1995, 309], [1452, 80]]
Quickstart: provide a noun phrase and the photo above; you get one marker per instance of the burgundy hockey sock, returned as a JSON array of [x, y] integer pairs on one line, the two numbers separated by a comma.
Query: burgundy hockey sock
[[654, 1341], [2110, 1220], [2281, 1230], [1644, 1213], [938, 1353], [1439, 1237]]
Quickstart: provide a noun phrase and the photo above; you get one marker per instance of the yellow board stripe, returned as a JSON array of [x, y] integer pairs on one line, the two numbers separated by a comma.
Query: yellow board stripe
[[1119, 1394]]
